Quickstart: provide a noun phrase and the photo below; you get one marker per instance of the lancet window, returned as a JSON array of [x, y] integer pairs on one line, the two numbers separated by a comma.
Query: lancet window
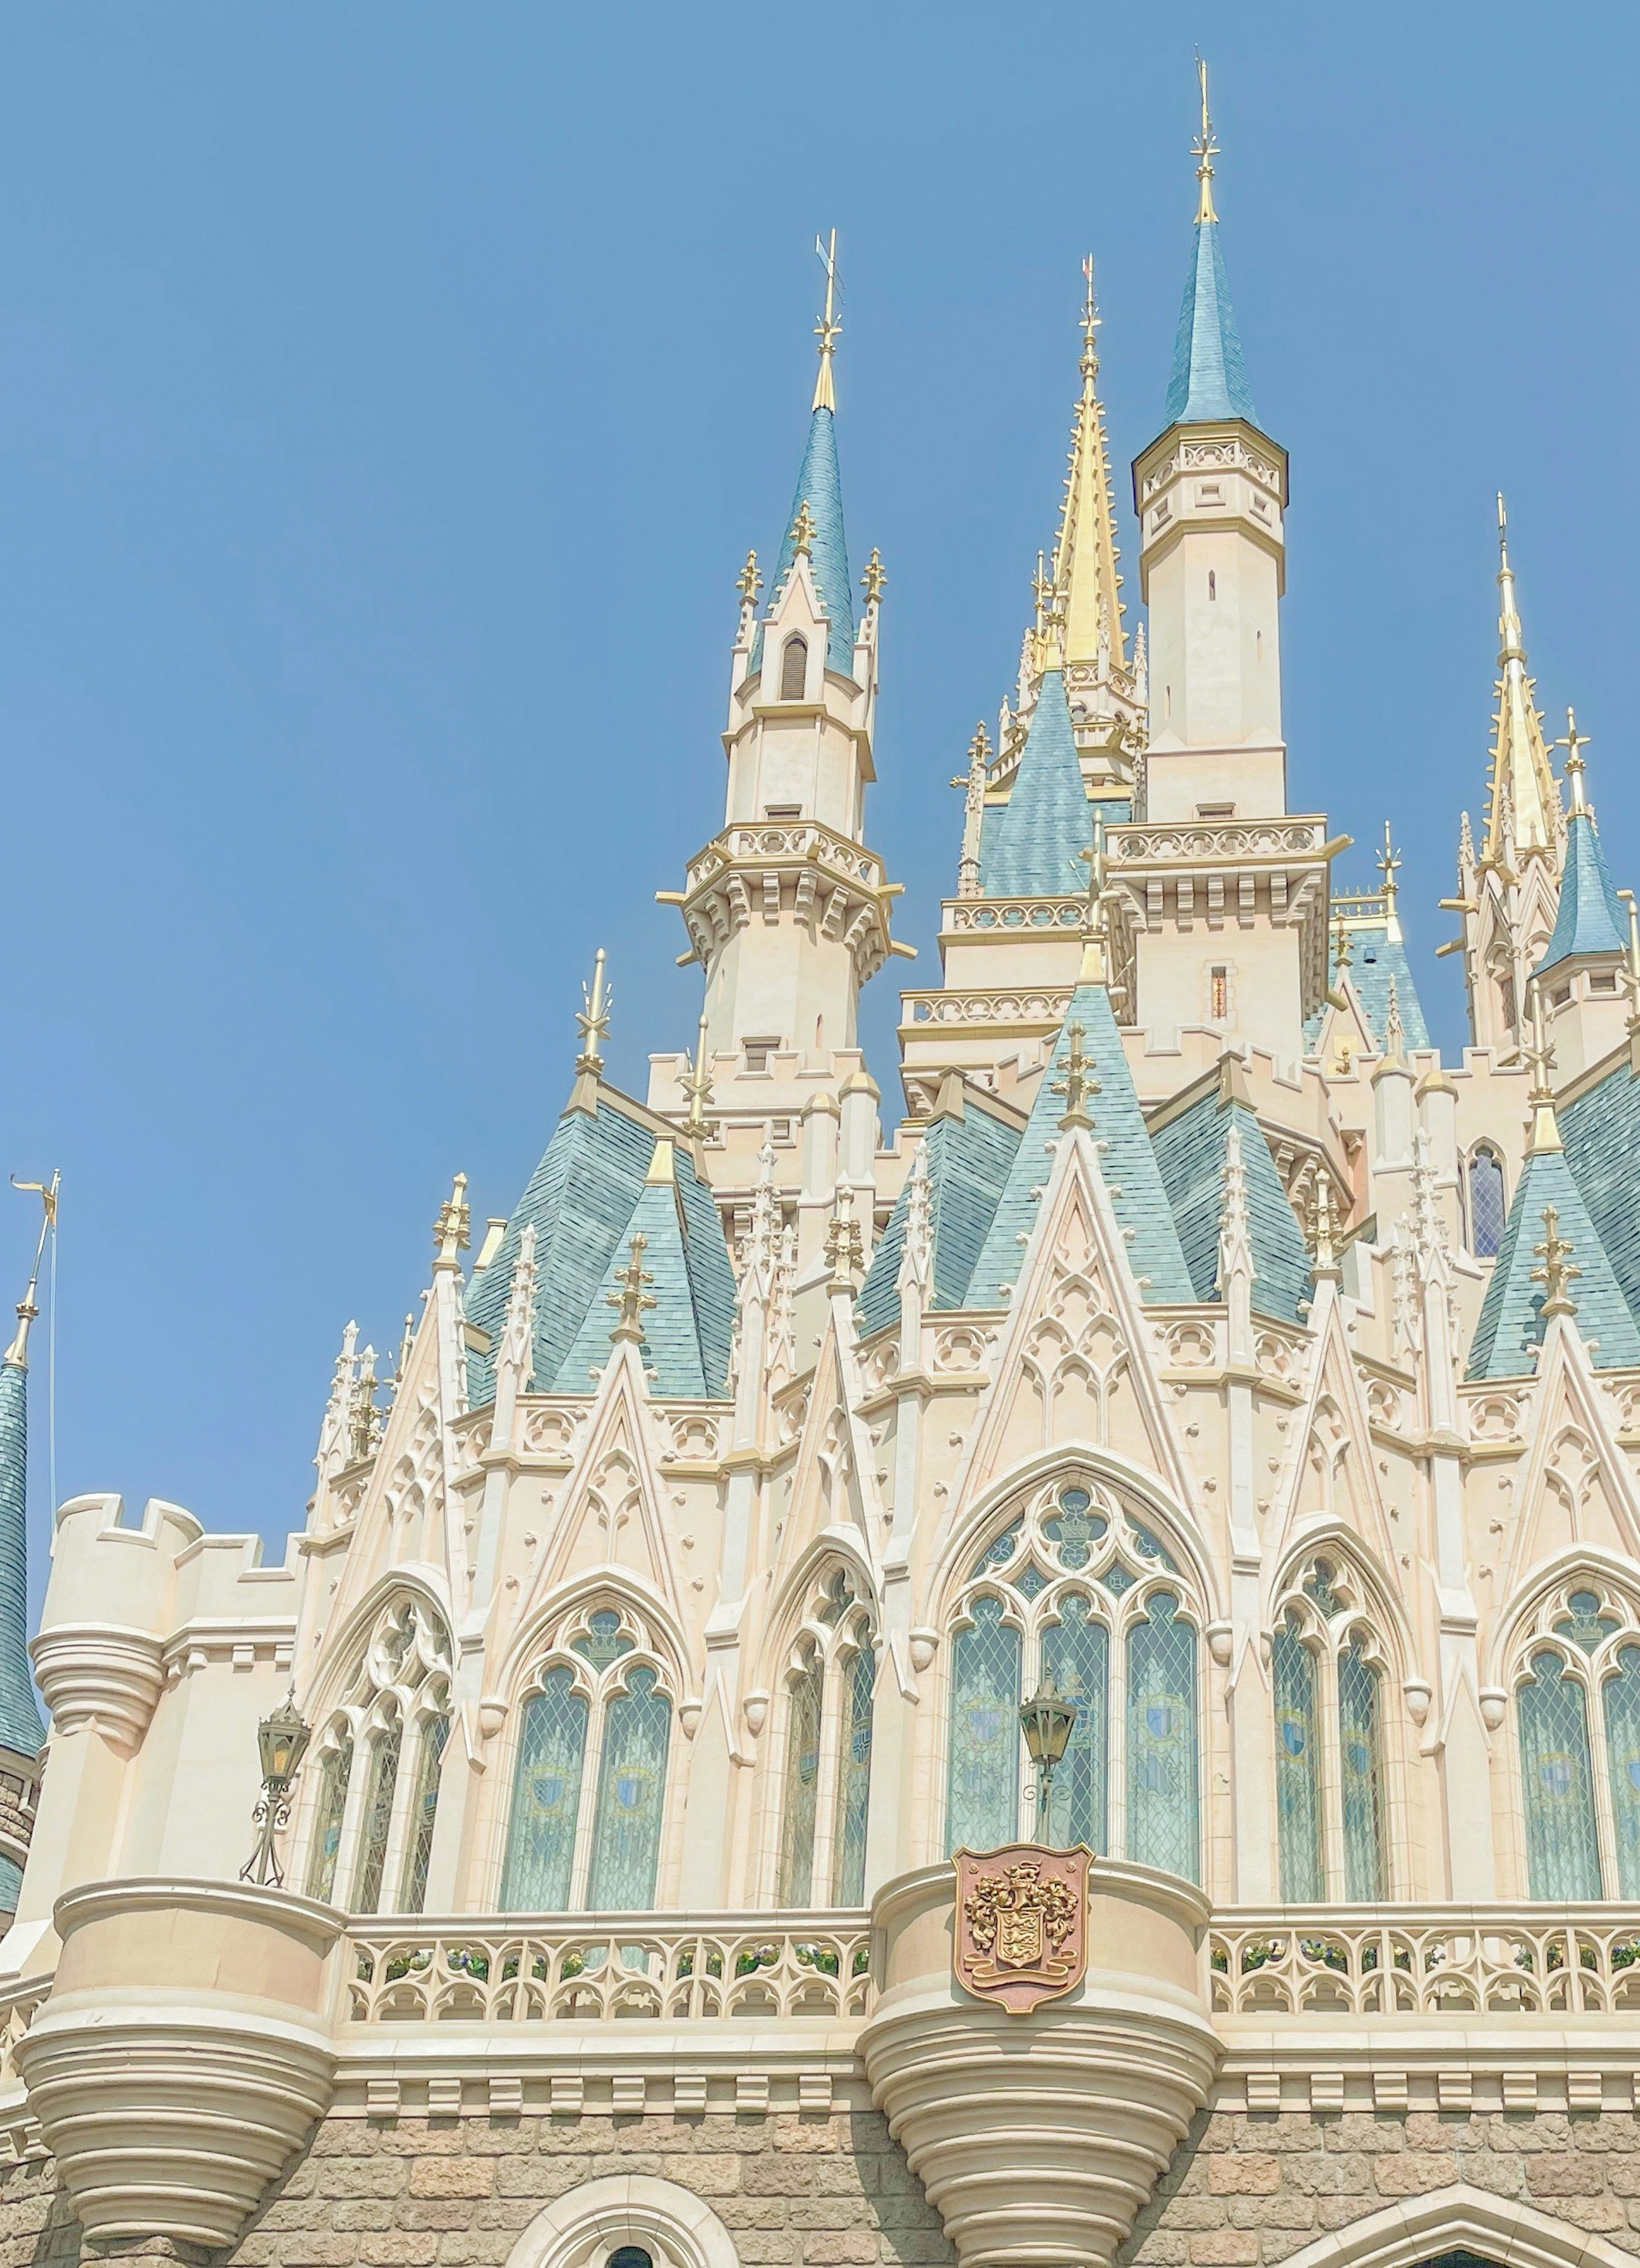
[[589, 1785], [377, 1766], [794, 665], [1078, 1589], [1326, 1668], [1577, 1710], [827, 1757], [1488, 1211]]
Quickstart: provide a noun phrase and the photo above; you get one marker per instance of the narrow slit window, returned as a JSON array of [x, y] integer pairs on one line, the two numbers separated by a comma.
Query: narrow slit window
[[794, 668]]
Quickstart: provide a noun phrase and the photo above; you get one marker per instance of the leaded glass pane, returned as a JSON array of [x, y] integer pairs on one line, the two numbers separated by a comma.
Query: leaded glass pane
[[631, 1794], [983, 1808], [1620, 1697], [383, 1776], [1360, 1767], [603, 1643], [1586, 1626], [1318, 1587], [1075, 1654], [1162, 1800], [1031, 1583], [1487, 1210], [1000, 1550], [423, 1812], [1075, 1530], [1118, 1578], [1150, 1547], [854, 1782], [802, 1791], [1297, 1770], [333, 1774], [546, 1799], [1563, 1854]]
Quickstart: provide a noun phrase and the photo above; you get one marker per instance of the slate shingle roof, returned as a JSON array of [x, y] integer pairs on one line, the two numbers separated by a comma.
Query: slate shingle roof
[[820, 486], [1190, 1153], [1209, 379], [968, 1159], [1511, 1328], [1590, 918], [1030, 847], [21, 1726]]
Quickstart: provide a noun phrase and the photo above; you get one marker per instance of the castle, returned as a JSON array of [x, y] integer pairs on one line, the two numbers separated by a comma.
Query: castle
[[1199, 1351]]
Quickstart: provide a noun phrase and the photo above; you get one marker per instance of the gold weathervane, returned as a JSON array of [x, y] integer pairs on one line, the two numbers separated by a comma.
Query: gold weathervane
[[1205, 149], [829, 326], [593, 1019]]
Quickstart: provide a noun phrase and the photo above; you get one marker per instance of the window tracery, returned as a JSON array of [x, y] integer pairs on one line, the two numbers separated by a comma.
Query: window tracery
[[828, 1759], [377, 1767], [589, 1787], [1326, 1664], [1078, 1587], [1577, 1720]]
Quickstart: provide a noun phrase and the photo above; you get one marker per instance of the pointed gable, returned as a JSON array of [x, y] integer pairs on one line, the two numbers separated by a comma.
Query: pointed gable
[[1511, 1328], [970, 1152], [1032, 846], [1125, 1159], [1590, 919], [1190, 1154], [1208, 380]]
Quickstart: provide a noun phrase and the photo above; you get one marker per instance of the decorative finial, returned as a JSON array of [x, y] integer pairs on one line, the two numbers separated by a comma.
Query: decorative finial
[[1541, 1057], [1556, 1272], [632, 1299], [1631, 973], [698, 1088], [594, 1020], [1340, 943], [1205, 149], [845, 1253], [828, 326], [1394, 1030], [803, 531], [973, 782], [748, 582], [1574, 743], [450, 1230], [1389, 866], [1090, 324], [363, 1433], [1077, 1085], [1503, 529], [1322, 1228], [28, 1310], [875, 579]]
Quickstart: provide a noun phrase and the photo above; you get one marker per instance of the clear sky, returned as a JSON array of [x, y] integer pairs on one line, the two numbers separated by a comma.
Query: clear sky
[[388, 396]]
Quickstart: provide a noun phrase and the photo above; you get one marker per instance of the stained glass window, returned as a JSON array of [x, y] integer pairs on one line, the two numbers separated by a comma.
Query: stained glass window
[[1297, 1768], [423, 1812], [1586, 1625], [603, 1642], [983, 1807], [802, 1791], [1162, 1799], [1075, 1654], [1000, 1550], [1075, 1528], [1319, 1585], [1563, 1855], [854, 1781], [1487, 1210], [631, 1794], [1150, 1547], [333, 1774], [1361, 1774], [546, 1799], [1621, 1700], [384, 1774]]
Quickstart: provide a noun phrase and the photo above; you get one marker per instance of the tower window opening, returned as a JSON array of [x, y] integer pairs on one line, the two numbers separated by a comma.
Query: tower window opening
[[758, 1052], [783, 810], [794, 668], [1219, 985], [1602, 982], [1487, 1209], [1212, 584]]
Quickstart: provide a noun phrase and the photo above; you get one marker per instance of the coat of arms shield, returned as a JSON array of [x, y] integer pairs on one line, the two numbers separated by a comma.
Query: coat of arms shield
[[1021, 1924]]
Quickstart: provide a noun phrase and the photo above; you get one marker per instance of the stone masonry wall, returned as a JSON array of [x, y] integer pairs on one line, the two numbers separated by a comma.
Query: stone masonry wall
[[1244, 2191], [794, 2191]]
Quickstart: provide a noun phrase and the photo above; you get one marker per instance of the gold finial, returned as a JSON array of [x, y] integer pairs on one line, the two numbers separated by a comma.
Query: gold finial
[[17, 1354], [632, 1299], [845, 1251], [1322, 1226], [1206, 149], [698, 1088], [1574, 743], [1503, 529], [1090, 324], [450, 1230], [1540, 1056], [593, 1019], [1077, 1085], [829, 326], [748, 582], [803, 531], [1342, 948], [875, 578], [1389, 866], [1556, 1272]]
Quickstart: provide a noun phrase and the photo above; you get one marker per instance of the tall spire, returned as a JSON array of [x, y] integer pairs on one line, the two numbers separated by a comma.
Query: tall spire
[[817, 502], [1086, 581], [21, 1729], [1209, 382], [1522, 799]]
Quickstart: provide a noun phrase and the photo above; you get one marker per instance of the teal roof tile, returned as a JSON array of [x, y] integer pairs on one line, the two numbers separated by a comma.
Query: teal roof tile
[[820, 486], [1511, 1328], [1190, 1154], [1375, 958], [968, 1159], [1030, 847], [1590, 918], [1125, 1159], [21, 1726], [671, 1351], [1208, 380], [1601, 1131]]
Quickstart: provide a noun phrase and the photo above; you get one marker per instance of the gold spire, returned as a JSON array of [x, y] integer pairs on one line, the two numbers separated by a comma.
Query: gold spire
[[1545, 1133], [1520, 779], [1205, 149], [594, 1020], [450, 1230], [698, 1088], [1556, 1272], [828, 328], [1084, 582], [1077, 1085], [17, 1354], [1574, 744], [632, 1299]]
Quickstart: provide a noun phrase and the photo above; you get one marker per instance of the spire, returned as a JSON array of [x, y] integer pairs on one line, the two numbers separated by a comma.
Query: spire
[[827, 328], [1544, 1132], [1590, 918], [593, 1019], [1045, 827], [818, 499], [1086, 581], [1524, 801], [1210, 379], [21, 1729]]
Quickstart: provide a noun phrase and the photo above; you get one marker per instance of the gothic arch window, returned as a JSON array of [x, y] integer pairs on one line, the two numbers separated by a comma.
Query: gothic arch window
[[589, 1785], [826, 1783], [1577, 1717], [1328, 1672], [794, 667], [1076, 1587], [1487, 1208], [377, 1767]]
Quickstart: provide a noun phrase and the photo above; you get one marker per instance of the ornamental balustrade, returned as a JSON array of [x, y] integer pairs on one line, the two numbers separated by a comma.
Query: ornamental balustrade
[[1046, 1008], [1027, 915], [789, 839]]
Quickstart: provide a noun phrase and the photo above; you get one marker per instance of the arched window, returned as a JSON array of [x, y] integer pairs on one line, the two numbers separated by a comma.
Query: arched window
[[1577, 1713], [1487, 1209], [826, 1785], [1078, 1589], [378, 1762], [794, 668], [588, 1783], [1330, 1826]]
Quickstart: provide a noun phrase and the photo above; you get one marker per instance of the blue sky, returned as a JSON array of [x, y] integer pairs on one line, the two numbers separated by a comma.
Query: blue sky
[[388, 396]]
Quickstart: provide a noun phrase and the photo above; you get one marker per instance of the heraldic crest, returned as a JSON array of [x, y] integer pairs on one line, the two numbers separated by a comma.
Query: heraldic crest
[[1021, 1923]]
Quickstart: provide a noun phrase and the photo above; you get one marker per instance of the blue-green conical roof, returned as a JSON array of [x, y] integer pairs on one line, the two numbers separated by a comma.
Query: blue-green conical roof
[[1210, 379], [820, 486], [1031, 846], [21, 1728], [1190, 1153], [1511, 1328], [1590, 918]]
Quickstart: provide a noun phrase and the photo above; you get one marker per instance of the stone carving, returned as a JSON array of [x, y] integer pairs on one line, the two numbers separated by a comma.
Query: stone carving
[[1021, 1935]]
